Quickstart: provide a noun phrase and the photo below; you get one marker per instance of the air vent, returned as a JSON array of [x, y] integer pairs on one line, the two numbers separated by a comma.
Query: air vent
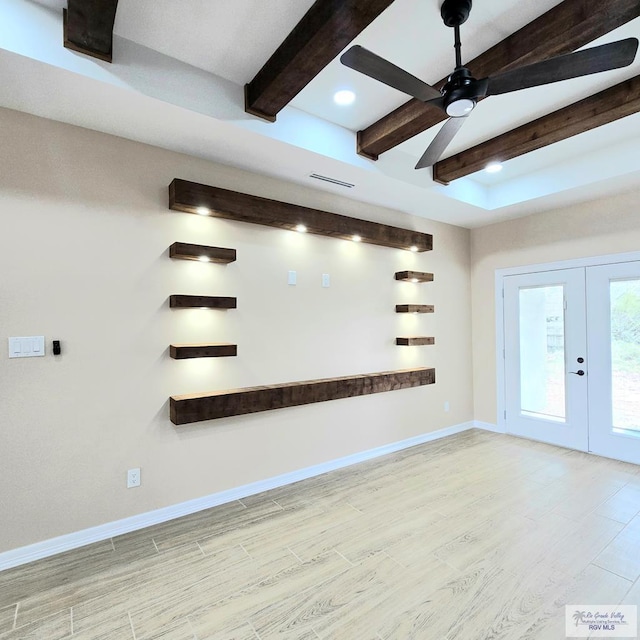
[[340, 183]]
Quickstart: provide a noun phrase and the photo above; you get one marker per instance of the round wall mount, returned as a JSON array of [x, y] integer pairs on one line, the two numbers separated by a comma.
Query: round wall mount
[[455, 12]]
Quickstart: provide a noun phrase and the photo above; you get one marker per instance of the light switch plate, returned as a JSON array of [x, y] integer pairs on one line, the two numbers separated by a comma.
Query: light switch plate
[[326, 280], [26, 347]]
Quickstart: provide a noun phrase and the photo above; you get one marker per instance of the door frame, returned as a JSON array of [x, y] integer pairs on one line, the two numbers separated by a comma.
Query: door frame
[[500, 274]]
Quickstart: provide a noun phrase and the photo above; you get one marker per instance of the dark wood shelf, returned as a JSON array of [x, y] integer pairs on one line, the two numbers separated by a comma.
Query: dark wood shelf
[[197, 407], [192, 197], [414, 308], [201, 252], [415, 341], [213, 350], [414, 276], [210, 302]]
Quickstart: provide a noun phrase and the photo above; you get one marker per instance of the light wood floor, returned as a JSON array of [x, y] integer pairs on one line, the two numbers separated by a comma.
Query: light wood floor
[[475, 536]]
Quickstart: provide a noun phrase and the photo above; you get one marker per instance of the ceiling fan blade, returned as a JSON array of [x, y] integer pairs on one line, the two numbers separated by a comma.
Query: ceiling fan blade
[[437, 102], [372, 65], [572, 65], [440, 142]]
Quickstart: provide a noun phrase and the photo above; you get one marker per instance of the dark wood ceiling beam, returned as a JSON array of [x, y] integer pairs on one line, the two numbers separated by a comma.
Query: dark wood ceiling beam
[[88, 27], [324, 31], [568, 26], [611, 104]]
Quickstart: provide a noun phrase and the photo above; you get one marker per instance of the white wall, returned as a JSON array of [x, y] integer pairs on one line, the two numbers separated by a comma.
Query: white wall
[[595, 228], [85, 231]]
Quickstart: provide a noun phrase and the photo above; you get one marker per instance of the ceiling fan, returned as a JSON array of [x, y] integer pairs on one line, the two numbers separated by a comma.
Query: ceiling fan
[[460, 94]]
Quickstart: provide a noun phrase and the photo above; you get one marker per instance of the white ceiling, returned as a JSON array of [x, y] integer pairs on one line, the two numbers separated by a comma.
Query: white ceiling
[[177, 82]]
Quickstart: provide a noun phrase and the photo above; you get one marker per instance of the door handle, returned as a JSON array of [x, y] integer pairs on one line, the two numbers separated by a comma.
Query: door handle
[[579, 372]]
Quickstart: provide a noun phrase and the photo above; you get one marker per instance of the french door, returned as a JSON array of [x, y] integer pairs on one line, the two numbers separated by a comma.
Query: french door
[[572, 358]]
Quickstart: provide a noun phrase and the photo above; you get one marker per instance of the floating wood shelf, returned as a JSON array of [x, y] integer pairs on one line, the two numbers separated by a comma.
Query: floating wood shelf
[[185, 251], [222, 404], [414, 276], [414, 342], [214, 350], [414, 308], [192, 197], [210, 302]]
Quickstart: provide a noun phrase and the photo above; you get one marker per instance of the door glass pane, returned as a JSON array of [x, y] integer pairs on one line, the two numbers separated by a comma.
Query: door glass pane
[[542, 361], [625, 354]]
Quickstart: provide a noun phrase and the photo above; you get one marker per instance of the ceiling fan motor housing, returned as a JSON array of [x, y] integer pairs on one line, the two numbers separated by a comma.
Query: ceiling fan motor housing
[[455, 12], [460, 93]]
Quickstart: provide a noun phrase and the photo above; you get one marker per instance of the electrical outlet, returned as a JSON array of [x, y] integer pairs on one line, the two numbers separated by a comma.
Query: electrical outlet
[[133, 478], [446, 406]]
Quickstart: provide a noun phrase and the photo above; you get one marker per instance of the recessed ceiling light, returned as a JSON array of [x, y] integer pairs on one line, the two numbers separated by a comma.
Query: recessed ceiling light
[[301, 228], [413, 248], [204, 258], [414, 279], [493, 167], [356, 238], [344, 97], [203, 211]]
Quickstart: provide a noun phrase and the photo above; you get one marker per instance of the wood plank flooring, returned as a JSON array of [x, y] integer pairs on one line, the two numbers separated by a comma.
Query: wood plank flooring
[[475, 536]]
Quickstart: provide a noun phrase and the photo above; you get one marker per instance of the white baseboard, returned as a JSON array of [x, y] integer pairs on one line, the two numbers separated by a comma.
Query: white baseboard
[[47, 548], [487, 426]]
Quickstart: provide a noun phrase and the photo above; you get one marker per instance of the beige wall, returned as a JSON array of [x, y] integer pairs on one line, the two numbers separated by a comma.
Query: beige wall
[[595, 228], [85, 233]]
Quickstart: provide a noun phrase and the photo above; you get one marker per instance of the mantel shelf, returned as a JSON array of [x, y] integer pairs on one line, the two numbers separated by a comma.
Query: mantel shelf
[[201, 252], [415, 341], [414, 276], [414, 308], [222, 404], [211, 350], [192, 197], [201, 302]]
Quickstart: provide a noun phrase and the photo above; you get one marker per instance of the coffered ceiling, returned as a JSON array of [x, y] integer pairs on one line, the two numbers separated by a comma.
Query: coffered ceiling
[[178, 74]]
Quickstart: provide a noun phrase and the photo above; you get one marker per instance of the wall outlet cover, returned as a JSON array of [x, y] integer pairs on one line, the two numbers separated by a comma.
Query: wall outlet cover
[[133, 478]]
